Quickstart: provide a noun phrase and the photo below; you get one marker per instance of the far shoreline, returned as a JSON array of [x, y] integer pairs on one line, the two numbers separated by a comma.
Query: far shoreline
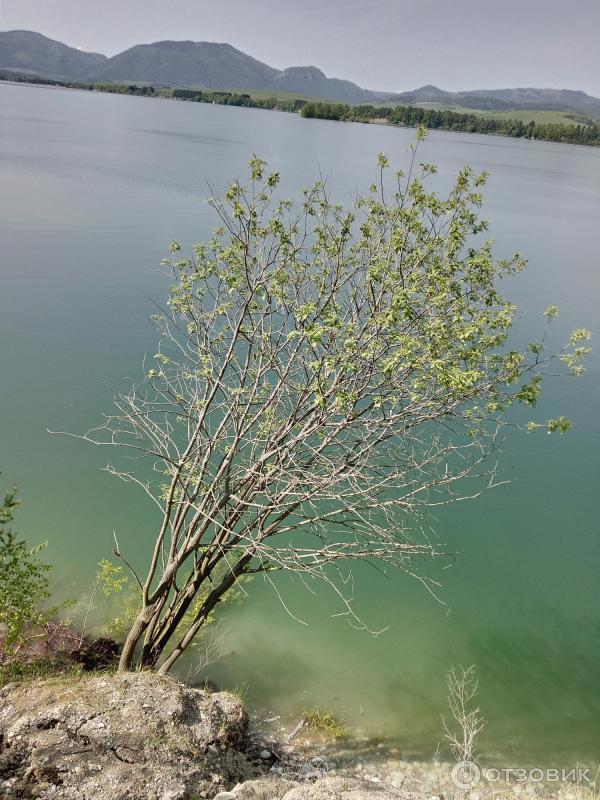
[[162, 93]]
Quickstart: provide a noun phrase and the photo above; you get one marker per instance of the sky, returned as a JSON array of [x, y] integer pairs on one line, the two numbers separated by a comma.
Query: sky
[[390, 45]]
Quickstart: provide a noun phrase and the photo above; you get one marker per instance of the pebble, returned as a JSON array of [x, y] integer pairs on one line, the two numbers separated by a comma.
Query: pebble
[[265, 755], [311, 774], [397, 778]]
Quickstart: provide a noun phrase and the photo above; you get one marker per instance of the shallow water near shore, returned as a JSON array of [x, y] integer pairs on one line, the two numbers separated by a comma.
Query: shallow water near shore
[[94, 187]]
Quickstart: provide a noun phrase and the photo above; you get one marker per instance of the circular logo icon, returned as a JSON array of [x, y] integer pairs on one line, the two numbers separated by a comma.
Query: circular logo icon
[[465, 775]]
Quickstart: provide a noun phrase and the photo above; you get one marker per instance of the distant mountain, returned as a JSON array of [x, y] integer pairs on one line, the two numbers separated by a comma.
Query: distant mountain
[[26, 51], [220, 66], [207, 64], [558, 99], [313, 82], [502, 99], [426, 94], [203, 64]]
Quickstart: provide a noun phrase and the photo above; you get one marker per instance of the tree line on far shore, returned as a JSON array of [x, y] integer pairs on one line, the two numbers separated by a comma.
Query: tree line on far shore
[[584, 132], [411, 116]]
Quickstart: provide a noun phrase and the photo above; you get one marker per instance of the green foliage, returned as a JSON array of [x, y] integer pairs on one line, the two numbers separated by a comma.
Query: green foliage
[[325, 110], [276, 101], [428, 327], [23, 582], [562, 425], [530, 392], [122, 600], [110, 578], [325, 722]]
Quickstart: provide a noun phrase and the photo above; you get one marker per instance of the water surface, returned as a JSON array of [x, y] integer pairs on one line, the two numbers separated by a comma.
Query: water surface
[[93, 189]]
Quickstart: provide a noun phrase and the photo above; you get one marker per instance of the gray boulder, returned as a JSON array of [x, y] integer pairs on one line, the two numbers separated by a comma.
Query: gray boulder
[[119, 737]]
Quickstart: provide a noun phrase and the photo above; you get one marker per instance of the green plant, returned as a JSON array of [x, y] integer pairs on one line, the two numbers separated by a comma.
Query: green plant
[[240, 690], [325, 722], [24, 588], [121, 597]]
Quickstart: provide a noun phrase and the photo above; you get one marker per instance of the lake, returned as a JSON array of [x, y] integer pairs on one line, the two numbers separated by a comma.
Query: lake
[[94, 187]]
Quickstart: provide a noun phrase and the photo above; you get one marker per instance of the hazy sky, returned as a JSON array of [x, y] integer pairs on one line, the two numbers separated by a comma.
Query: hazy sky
[[380, 44]]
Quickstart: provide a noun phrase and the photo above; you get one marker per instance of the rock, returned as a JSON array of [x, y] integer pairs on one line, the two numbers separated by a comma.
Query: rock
[[119, 737], [329, 788], [262, 789], [308, 774], [265, 755], [397, 778]]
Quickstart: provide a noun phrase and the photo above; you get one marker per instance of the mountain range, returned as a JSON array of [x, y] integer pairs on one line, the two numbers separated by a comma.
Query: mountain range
[[213, 65], [504, 99]]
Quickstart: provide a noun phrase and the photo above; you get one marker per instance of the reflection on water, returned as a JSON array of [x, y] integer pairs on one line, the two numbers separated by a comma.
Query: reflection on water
[[94, 187], [188, 137]]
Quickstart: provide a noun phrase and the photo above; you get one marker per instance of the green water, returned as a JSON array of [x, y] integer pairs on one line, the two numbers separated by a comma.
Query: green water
[[92, 189]]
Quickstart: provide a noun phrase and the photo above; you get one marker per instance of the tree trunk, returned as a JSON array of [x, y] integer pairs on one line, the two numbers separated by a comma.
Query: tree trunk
[[126, 661], [203, 614], [156, 642]]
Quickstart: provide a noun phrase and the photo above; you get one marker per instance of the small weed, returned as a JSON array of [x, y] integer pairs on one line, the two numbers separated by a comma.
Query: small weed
[[325, 722], [241, 692]]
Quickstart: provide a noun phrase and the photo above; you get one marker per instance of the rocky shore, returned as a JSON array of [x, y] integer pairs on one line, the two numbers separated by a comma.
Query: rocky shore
[[148, 737], [375, 766]]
